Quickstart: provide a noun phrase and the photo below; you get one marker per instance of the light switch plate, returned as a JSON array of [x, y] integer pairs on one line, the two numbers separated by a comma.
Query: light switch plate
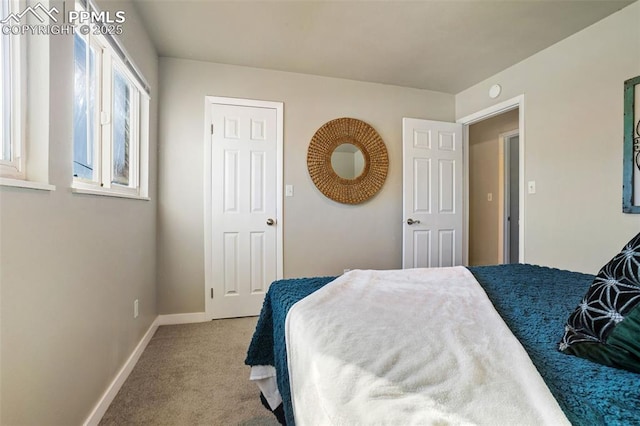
[[531, 186], [288, 190]]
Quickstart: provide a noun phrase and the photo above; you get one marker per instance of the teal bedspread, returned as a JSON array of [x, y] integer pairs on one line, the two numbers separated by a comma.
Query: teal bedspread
[[534, 301], [268, 345]]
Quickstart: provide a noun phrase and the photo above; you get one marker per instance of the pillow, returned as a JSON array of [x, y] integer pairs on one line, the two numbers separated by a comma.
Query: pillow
[[605, 327]]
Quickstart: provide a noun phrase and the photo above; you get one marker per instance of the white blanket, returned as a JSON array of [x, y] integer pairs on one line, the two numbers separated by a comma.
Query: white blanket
[[420, 346]]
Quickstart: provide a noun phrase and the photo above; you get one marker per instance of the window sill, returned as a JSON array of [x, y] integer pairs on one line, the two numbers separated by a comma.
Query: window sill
[[27, 184], [107, 193]]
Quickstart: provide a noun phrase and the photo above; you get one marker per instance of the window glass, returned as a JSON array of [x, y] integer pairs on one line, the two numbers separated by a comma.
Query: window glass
[[121, 128], [83, 111], [92, 106]]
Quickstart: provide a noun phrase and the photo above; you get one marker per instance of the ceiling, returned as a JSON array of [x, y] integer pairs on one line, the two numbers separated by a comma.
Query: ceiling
[[446, 45]]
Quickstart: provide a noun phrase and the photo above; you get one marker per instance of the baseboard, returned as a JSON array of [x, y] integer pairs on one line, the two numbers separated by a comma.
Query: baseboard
[[111, 392], [174, 319]]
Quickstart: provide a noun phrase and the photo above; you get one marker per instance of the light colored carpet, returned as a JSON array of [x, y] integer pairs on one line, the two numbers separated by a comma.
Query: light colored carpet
[[192, 374]]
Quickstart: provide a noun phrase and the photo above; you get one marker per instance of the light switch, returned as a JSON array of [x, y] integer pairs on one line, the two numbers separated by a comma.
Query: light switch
[[490, 196], [532, 186], [288, 190]]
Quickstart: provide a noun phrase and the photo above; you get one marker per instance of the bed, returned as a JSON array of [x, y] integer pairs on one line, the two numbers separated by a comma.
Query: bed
[[533, 301]]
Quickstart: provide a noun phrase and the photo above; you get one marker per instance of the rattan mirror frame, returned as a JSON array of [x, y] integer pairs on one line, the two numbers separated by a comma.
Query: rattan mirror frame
[[376, 160]]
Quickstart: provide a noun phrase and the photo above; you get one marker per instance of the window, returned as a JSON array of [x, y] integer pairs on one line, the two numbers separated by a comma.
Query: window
[[24, 114], [110, 119], [11, 95]]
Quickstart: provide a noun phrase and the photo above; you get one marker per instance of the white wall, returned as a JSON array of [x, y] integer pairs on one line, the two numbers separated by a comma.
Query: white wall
[[573, 129], [71, 267], [321, 237]]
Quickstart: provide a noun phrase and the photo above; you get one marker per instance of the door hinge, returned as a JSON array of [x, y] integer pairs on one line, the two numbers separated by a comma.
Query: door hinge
[[212, 293], [211, 128]]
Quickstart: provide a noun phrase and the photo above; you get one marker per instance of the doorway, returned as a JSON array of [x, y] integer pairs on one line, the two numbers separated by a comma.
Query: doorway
[[486, 213]]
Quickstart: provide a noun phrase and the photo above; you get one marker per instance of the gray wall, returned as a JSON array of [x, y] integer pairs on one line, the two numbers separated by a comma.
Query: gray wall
[[321, 237], [71, 267], [573, 141]]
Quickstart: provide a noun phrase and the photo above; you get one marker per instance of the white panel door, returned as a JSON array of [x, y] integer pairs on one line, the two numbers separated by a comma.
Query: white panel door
[[432, 193], [244, 208]]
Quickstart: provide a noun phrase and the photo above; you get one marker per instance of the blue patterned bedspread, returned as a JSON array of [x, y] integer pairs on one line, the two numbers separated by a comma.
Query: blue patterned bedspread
[[534, 301]]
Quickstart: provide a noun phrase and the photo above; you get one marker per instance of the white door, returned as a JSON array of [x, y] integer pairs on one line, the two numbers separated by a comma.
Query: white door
[[245, 244], [432, 193]]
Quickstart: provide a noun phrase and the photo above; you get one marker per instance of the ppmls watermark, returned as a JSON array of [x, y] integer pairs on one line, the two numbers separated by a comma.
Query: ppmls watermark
[[41, 20]]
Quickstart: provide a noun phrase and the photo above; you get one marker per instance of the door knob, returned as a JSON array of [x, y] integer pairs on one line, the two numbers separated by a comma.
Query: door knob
[[411, 221], [271, 222]]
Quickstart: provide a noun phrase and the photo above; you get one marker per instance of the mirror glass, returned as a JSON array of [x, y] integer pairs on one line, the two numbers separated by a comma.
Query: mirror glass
[[347, 161]]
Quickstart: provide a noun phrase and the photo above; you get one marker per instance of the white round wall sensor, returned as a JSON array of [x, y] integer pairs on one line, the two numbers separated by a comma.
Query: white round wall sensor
[[494, 91]]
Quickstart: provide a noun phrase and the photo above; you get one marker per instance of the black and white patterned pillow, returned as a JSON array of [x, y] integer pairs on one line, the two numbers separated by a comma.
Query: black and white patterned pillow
[[605, 327]]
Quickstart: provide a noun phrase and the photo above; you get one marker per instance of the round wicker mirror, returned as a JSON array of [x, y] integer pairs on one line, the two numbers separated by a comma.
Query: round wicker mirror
[[364, 137]]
